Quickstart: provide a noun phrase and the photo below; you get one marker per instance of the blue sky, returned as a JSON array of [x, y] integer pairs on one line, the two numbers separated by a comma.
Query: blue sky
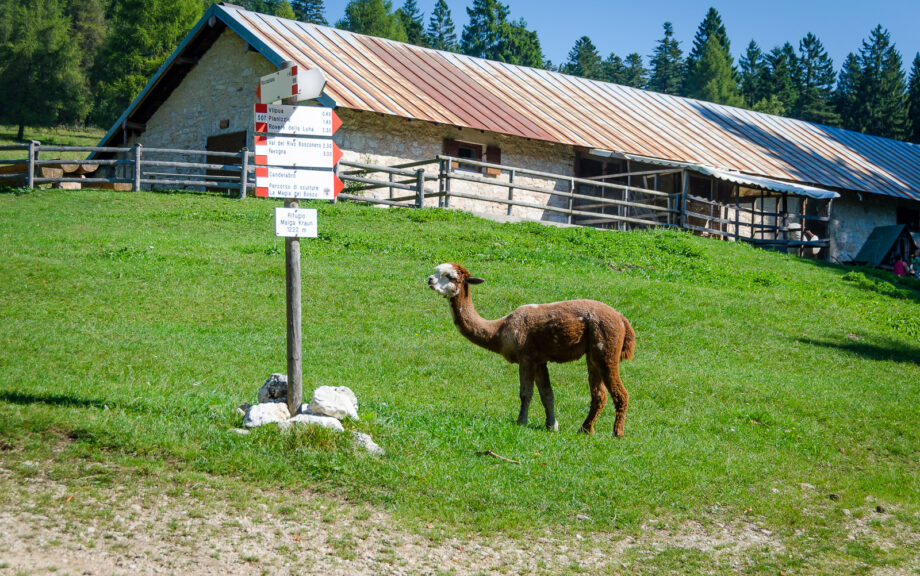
[[635, 26]]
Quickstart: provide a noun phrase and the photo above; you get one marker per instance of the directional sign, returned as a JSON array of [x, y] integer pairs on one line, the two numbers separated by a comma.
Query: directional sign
[[297, 183], [296, 120], [295, 222], [293, 82], [293, 151]]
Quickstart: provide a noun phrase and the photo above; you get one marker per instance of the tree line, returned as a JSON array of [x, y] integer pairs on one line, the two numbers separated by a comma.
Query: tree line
[[83, 61]]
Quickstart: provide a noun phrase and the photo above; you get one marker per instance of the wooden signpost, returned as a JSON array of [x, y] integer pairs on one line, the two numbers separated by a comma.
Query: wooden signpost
[[295, 159]]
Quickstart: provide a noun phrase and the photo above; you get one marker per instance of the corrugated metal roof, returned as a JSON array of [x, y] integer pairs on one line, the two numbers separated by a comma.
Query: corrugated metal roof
[[378, 75]]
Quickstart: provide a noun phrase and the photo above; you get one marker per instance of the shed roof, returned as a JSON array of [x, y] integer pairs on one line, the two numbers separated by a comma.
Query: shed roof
[[879, 244], [387, 77]]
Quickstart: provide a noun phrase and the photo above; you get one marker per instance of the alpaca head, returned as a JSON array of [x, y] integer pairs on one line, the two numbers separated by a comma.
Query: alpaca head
[[449, 279]]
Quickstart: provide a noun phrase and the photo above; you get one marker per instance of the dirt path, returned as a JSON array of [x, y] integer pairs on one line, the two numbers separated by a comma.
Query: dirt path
[[47, 527]]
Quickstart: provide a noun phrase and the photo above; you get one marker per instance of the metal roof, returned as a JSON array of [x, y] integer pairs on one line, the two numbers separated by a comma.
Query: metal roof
[[387, 77]]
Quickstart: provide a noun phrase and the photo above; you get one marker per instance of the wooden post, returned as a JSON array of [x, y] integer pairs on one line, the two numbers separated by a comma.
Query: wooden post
[[420, 188], [685, 191], [391, 188], [33, 155], [294, 320], [571, 197], [244, 172], [137, 167], [447, 183], [510, 190]]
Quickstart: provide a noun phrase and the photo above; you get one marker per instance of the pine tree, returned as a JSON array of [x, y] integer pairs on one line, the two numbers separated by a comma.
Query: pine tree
[[708, 62], [520, 46], [636, 75], [667, 64], [279, 8], [913, 100], [783, 76], [311, 11], [484, 34], [374, 18], [41, 79], [882, 91], [142, 35], [711, 26], [614, 69], [754, 73], [441, 33], [846, 95], [712, 77], [584, 60], [87, 18], [816, 83], [413, 23]]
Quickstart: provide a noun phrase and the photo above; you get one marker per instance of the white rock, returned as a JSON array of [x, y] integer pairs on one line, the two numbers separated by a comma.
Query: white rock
[[268, 413], [312, 420], [240, 431], [365, 441], [274, 389], [338, 402]]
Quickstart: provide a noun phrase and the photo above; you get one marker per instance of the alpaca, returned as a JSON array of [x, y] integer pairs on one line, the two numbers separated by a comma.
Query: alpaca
[[535, 334]]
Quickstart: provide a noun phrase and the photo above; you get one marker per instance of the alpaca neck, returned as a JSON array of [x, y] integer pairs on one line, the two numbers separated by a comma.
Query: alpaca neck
[[474, 327]]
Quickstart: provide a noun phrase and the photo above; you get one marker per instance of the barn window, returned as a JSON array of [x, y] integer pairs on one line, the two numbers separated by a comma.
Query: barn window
[[473, 151]]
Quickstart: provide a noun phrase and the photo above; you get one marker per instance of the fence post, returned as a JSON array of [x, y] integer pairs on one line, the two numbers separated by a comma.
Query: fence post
[[447, 184], [137, 167], [510, 190], [420, 188], [33, 156], [685, 189], [244, 172], [571, 197]]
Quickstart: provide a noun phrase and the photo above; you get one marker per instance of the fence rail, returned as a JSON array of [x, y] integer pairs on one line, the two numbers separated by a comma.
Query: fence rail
[[528, 194]]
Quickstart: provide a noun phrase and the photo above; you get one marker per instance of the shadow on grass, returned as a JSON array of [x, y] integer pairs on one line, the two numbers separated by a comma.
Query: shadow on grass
[[49, 399], [889, 351]]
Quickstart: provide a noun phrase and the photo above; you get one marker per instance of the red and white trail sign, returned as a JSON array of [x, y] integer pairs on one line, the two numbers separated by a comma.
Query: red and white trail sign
[[296, 120], [297, 183], [294, 82], [298, 152]]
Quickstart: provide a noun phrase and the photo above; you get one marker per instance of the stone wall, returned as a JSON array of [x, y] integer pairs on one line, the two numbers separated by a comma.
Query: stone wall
[[379, 139], [852, 220], [221, 87]]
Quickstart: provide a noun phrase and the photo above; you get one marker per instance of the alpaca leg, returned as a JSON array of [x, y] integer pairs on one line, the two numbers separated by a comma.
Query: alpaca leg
[[619, 394], [526, 377], [598, 396], [546, 396]]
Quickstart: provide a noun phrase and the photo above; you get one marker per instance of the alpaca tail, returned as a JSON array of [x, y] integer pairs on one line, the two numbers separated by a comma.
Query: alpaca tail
[[629, 342]]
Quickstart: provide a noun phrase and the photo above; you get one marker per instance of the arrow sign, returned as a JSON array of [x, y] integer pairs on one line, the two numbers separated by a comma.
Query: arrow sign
[[297, 183], [293, 82], [301, 152], [296, 120]]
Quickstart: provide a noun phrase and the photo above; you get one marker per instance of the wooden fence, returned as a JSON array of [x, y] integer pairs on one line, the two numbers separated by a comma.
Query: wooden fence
[[522, 193]]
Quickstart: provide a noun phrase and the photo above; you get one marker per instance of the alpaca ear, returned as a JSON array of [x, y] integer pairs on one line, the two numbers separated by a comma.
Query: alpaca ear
[[474, 280]]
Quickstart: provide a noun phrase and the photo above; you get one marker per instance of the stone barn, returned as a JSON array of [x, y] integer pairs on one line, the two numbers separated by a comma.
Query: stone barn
[[735, 174]]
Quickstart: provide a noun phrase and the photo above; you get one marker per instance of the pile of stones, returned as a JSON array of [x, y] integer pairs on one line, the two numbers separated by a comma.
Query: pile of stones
[[328, 407]]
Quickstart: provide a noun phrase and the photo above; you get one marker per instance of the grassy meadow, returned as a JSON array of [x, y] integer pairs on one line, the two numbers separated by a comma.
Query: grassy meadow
[[765, 389], [54, 136]]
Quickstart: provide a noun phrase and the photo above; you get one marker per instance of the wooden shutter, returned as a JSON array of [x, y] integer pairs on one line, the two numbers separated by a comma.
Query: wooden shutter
[[493, 156], [452, 148]]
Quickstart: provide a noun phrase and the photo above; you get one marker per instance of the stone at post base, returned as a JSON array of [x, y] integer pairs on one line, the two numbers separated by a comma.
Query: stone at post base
[[339, 402], [274, 389], [267, 413], [365, 441], [312, 420]]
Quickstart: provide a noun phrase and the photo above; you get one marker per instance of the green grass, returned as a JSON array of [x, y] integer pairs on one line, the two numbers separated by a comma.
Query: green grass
[[133, 324], [55, 136]]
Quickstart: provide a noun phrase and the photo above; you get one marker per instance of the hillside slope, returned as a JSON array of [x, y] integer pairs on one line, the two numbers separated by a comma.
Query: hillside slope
[[764, 387]]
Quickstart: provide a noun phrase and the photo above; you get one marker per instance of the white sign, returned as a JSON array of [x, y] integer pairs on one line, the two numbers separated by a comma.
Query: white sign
[[293, 82], [292, 151], [295, 222], [296, 120], [297, 183]]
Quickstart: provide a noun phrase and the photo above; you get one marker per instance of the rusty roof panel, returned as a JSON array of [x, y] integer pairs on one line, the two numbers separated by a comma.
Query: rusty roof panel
[[387, 77]]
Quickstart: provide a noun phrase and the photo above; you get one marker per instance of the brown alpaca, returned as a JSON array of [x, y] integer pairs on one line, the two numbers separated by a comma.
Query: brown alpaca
[[535, 334]]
